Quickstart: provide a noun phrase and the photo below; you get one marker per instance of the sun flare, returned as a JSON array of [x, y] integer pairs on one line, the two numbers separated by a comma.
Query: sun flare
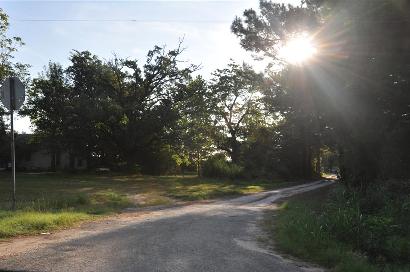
[[298, 49]]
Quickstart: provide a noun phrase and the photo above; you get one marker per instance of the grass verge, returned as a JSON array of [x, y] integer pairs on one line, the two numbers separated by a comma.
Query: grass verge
[[47, 202], [332, 230], [32, 222]]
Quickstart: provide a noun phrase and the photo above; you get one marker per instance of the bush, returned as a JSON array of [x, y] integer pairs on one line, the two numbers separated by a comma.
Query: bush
[[370, 222], [301, 232], [218, 167], [351, 229]]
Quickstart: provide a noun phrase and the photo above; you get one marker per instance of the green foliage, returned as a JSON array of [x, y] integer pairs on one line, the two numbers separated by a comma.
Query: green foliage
[[9, 46], [353, 219], [234, 100], [218, 167], [352, 97], [346, 233], [260, 154], [195, 127], [297, 231], [111, 112], [8, 67], [290, 97]]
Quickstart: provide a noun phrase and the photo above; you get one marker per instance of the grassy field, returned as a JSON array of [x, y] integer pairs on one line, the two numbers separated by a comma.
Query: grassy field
[[52, 201], [337, 234]]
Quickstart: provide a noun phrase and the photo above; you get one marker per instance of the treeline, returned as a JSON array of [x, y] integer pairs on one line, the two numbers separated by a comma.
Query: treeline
[[113, 113], [158, 118], [348, 107]]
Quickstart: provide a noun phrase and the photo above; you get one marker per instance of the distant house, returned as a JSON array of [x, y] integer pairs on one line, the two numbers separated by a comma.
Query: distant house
[[34, 156]]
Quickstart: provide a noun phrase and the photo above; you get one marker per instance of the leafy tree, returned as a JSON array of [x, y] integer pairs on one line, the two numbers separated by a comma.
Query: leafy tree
[[267, 31], [47, 106], [195, 125], [234, 100], [149, 100], [8, 67], [370, 105], [357, 82], [111, 113], [261, 151], [291, 94], [9, 46], [91, 81]]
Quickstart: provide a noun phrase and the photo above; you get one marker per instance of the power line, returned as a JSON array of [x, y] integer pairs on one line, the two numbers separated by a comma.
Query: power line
[[126, 20], [128, 1]]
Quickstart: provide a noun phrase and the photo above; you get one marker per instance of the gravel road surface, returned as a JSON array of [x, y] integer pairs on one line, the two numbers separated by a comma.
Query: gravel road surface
[[218, 236]]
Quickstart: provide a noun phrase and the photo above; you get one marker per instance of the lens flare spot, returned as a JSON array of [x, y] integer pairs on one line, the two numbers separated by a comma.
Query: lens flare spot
[[298, 50]]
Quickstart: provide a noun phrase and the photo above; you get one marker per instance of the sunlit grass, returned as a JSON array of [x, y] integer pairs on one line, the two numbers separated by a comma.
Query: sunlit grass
[[34, 222], [47, 202], [152, 199], [208, 189]]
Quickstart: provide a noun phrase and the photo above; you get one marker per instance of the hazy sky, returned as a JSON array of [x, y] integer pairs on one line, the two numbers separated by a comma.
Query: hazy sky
[[52, 29]]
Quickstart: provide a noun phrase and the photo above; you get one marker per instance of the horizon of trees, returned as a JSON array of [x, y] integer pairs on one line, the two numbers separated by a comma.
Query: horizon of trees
[[349, 106]]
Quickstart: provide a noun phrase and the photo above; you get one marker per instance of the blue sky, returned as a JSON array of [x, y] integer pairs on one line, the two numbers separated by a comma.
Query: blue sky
[[52, 29]]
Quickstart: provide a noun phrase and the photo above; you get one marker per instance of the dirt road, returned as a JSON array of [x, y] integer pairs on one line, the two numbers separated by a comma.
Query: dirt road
[[217, 236]]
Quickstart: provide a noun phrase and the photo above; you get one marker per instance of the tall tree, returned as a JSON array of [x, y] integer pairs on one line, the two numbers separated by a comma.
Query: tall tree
[[8, 47], [111, 112], [195, 125], [370, 56], [8, 67], [91, 80], [291, 93], [234, 99], [47, 106], [149, 98], [358, 78]]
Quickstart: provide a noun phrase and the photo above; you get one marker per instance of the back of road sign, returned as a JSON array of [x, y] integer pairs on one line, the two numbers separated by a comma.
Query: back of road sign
[[19, 94]]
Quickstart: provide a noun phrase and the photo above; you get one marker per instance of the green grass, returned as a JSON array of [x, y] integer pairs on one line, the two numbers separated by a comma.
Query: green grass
[[52, 201], [298, 232], [328, 232], [32, 222], [212, 188]]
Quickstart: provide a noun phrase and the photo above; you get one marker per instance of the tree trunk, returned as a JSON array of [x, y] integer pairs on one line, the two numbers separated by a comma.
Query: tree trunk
[[198, 163], [318, 166], [235, 154], [71, 161], [308, 162], [307, 170], [53, 165]]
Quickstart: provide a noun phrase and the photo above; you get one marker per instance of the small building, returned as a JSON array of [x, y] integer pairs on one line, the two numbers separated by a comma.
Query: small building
[[33, 155]]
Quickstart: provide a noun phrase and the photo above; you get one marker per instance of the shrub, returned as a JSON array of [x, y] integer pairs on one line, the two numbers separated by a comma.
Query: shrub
[[351, 229], [301, 232], [218, 167], [398, 249]]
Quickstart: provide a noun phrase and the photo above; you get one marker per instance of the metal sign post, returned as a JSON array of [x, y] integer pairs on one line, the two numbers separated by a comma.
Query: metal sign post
[[13, 150], [12, 95]]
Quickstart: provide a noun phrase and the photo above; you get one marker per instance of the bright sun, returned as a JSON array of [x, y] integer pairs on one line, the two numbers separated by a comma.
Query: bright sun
[[298, 50]]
